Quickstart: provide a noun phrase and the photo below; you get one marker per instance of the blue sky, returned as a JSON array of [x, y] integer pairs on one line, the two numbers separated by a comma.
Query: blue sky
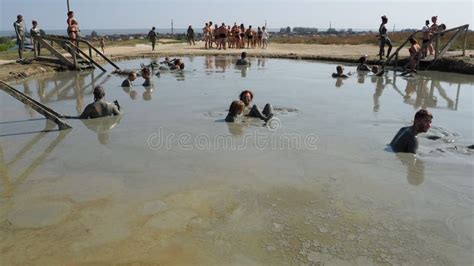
[[135, 14]]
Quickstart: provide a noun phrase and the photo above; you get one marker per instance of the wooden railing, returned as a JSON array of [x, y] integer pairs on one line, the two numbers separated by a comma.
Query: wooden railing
[[48, 41], [35, 105], [439, 50]]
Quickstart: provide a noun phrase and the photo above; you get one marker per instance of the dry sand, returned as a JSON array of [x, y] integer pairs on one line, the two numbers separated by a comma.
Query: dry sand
[[9, 70]]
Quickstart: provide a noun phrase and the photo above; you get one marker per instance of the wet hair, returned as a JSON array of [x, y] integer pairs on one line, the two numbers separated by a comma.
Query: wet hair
[[70, 12], [427, 22], [34, 22], [19, 16], [423, 113], [375, 69], [236, 107], [153, 28], [339, 68], [384, 18], [243, 54], [131, 74], [241, 96], [99, 93], [413, 40], [362, 59]]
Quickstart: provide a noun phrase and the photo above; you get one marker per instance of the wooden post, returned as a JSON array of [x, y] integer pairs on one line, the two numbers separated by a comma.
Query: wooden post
[[437, 46], [465, 42]]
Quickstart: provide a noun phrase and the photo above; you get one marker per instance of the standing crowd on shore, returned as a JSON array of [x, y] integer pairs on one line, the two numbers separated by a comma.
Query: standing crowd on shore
[[236, 36]]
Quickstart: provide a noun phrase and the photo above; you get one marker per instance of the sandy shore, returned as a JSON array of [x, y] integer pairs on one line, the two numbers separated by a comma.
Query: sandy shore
[[10, 70]]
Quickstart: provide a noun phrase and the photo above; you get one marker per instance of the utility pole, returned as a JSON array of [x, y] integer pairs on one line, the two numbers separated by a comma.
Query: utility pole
[[68, 9], [172, 27]]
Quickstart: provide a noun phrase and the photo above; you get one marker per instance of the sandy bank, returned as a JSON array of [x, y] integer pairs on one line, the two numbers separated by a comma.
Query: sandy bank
[[9, 70]]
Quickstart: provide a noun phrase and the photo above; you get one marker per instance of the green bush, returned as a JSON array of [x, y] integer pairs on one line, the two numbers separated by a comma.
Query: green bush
[[6, 43]]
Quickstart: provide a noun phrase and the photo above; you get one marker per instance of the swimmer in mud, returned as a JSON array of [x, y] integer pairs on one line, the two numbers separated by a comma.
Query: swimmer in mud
[[100, 108], [243, 61], [131, 77], [406, 138], [340, 73], [362, 64], [236, 108], [252, 110]]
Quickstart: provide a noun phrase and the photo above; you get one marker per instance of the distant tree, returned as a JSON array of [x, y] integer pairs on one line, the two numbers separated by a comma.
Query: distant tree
[[331, 31], [288, 29], [304, 30], [94, 34], [350, 31]]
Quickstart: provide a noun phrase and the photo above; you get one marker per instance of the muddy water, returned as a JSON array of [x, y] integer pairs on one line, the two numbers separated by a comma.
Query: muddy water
[[170, 183]]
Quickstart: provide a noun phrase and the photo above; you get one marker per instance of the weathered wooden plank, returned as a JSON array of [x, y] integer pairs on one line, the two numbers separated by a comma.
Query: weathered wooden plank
[[35, 105]]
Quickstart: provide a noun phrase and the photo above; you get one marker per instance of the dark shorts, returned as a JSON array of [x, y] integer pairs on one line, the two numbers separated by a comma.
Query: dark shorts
[[249, 37], [222, 35], [426, 41], [242, 35]]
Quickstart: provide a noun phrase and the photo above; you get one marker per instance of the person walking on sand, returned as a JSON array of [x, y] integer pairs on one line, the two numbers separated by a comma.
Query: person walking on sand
[[384, 39], [152, 36], [190, 35], [102, 44], [406, 139], [19, 27]]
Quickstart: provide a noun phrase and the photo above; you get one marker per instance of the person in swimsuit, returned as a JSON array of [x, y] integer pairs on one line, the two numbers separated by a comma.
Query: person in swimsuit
[[426, 39], [265, 37], [415, 53], [384, 40], [236, 108], [406, 138], [433, 30], [222, 36], [100, 108], [249, 35], [250, 110]]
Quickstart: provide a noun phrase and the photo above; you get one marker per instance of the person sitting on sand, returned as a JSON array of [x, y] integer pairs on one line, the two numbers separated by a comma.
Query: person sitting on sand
[[362, 65], [236, 108], [243, 61], [406, 138], [340, 73], [246, 97], [100, 108], [146, 76], [131, 77]]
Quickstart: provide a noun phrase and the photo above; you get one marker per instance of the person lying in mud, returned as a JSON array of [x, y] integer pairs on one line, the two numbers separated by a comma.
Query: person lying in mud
[[173, 64], [340, 73], [100, 108], [236, 108], [246, 97], [362, 64], [243, 61], [131, 77], [406, 138]]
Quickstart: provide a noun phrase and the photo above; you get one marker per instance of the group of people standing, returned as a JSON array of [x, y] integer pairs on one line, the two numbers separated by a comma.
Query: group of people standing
[[19, 27], [416, 52], [237, 37]]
